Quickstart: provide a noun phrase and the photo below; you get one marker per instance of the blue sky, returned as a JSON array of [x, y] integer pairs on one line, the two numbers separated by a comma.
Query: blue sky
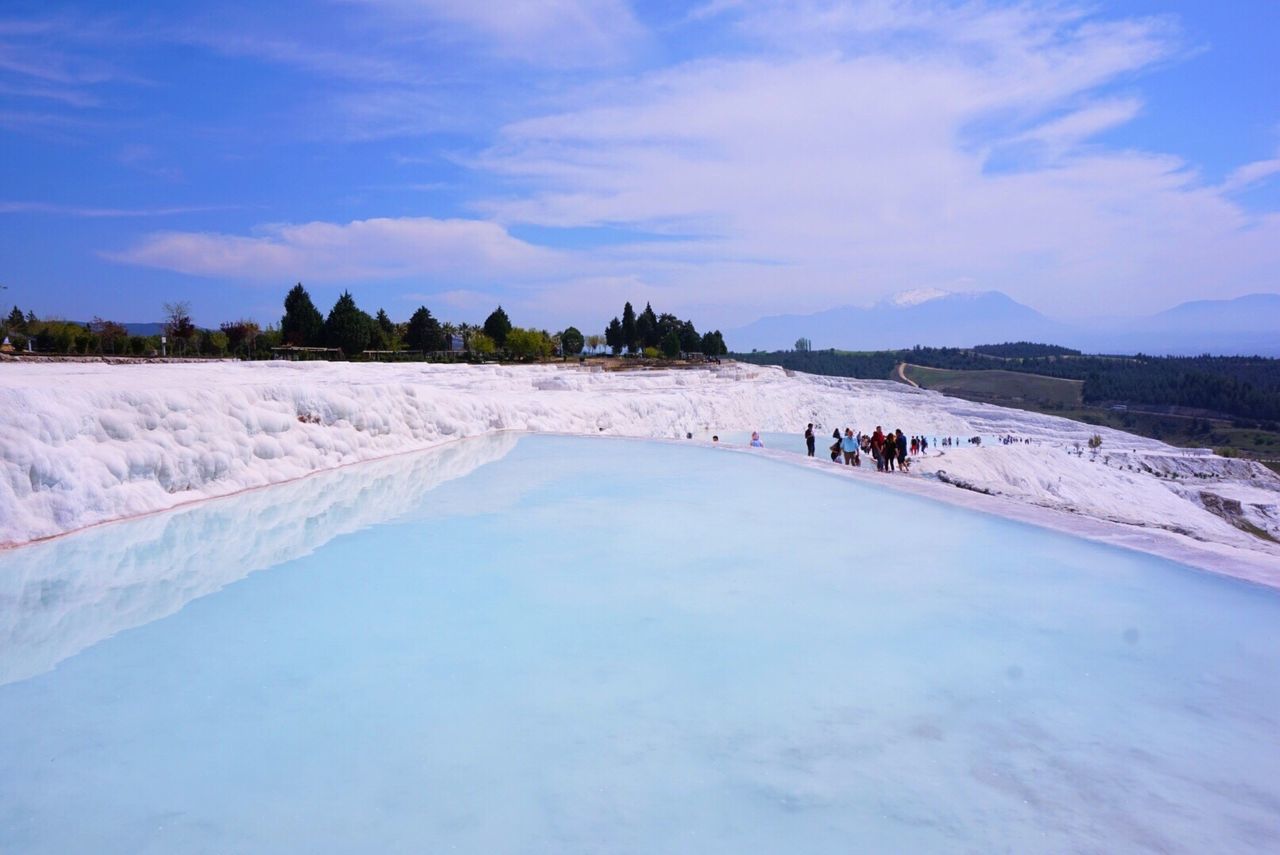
[[724, 160]]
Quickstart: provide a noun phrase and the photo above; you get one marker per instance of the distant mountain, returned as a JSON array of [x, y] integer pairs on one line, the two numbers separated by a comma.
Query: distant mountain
[[1243, 326], [927, 317]]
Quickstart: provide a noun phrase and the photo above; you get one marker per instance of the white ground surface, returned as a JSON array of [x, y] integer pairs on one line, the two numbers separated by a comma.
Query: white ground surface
[[85, 443]]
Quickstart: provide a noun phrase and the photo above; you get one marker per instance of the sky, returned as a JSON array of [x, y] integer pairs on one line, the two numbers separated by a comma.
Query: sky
[[724, 160]]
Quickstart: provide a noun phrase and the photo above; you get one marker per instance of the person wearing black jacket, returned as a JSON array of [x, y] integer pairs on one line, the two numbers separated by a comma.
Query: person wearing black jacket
[[809, 439]]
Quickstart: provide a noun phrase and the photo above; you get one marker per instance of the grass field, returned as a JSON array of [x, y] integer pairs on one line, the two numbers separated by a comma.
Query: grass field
[[999, 387]]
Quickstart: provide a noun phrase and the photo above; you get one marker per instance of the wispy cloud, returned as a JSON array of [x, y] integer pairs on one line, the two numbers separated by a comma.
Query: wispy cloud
[[836, 176], [379, 249], [1251, 174]]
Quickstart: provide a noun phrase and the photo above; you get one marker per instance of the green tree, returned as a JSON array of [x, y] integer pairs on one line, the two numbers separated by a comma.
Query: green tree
[[528, 344], [480, 344], [497, 326], [571, 341], [384, 324], [690, 341], [16, 322], [424, 332], [671, 344], [803, 345], [647, 329], [630, 339], [713, 344], [347, 327], [302, 324], [613, 336]]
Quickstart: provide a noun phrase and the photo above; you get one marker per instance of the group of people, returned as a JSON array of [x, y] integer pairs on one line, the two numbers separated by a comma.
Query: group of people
[[890, 450]]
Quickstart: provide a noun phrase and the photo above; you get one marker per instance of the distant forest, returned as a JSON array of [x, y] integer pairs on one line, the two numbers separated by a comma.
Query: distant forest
[[1244, 387]]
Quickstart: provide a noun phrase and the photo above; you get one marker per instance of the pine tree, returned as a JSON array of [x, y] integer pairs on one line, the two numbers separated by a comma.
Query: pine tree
[[647, 328], [302, 324], [613, 336], [671, 344], [690, 341], [629, 337], [347, 327], [497, 325], [424, 332], [384, 323], [16, 321]]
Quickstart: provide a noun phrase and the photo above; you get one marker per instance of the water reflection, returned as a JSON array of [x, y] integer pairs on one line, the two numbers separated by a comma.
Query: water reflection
[[61, 597]]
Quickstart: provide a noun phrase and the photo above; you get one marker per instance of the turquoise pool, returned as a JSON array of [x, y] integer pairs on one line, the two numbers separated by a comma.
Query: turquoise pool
[[548, 644]]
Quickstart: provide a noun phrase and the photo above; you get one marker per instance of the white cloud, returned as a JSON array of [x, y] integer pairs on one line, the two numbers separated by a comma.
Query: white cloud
[[1250, 174], [814, 178], [377, 249]]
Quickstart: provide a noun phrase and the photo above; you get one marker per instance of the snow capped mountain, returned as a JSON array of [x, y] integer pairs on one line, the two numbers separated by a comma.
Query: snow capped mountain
[[916, 296]]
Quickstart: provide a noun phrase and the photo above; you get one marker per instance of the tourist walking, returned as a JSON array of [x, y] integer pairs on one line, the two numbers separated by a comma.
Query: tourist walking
[[889, 451], [849, 446], [810, 441], [877, 448]]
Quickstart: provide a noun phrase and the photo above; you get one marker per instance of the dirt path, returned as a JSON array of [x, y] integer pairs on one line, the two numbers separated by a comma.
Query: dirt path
[[902, 375]]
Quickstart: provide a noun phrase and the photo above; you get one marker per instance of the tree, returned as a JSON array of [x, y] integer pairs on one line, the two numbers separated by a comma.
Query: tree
[[671, 344], [529, 344], [713, 344], [177, 320], [803, 345], [594, 341], [497, 325], [348, 328], [178, 326], [302, 324], [16, 322], [424, 332], [613, 336], [630, 338], [647, 329], [1095, 441], [112, 337], [571, 341], [384, 324], [480, 344], [690, 341], [241, 336]]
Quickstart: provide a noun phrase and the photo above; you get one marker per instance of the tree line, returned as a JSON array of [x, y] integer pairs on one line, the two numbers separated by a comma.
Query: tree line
[[1243, 387], [650, 333], [353, 332]]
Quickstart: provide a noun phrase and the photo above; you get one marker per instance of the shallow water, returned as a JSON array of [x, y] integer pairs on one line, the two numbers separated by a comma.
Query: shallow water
[[562, 644]]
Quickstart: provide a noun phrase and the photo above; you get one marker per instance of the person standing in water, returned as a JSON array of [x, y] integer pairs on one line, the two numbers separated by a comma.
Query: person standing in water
[[810, 441], [889, 451], [755, 440], [835, 446]]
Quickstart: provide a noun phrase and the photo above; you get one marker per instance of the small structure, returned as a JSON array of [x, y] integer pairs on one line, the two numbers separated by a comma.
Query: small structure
[[7, 346], [393, 355], [294, 353]]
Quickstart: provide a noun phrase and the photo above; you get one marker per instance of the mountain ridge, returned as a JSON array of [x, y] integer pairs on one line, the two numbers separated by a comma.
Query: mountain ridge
[[1245, 325]]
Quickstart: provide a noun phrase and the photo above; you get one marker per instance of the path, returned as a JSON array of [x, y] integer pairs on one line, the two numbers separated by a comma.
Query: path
[[902, 375]]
